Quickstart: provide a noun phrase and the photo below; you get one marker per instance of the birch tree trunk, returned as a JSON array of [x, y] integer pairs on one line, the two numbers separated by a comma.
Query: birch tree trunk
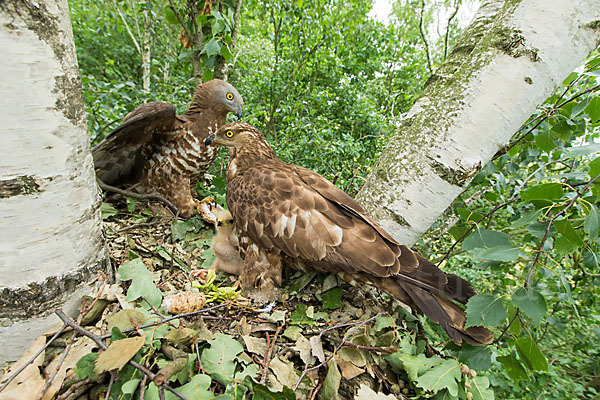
[[50, 223], [509, 60]]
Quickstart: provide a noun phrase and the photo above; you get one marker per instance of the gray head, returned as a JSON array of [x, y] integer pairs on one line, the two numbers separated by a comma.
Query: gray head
[[219, 94]]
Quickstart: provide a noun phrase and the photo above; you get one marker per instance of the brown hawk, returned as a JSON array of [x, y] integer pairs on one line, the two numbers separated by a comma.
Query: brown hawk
[[156, 150], [288, 215]]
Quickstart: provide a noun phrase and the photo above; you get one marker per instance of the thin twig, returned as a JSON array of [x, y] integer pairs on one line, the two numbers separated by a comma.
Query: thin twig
[[17, 372], [424, 37], [384, 349], [55, 372], [171, 318], [267, 358], [98, 340], [563, 211], [110, 383], [139, 196], [507, 326], [314, 393], [74, 388], [447, 35], [350, 333], [473, 226], [143, 387]]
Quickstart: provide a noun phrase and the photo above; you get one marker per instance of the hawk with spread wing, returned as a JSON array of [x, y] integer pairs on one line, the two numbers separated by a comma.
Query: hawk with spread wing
[[286, 215], [156, 150]]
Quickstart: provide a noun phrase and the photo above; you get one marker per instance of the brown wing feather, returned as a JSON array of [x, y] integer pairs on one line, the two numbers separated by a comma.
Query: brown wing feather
[[283, 208], [120, 157]]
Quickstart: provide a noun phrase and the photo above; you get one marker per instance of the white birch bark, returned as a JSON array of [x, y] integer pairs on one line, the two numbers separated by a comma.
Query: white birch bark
[[50, 223], [509, 61]]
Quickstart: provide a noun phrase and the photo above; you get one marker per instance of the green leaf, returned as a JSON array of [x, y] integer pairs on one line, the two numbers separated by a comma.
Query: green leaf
[[476, 357], [212, 48], [141, 282], [545, 191], [331, 384], [592, 222], [545, 141], [299, 317], [207, 75], [485, 310], [593, 109], [413, 365], [444, 376], [526, 219], [130, 386], [197, 388], [531, 303], [486, 238], [564, 226], [85, 366], [218, 359], [457, 231], [108, 210], [594, 168], [582, 150], [332, 298], [498, 253], [170, 16], [480, 388], [382, 322], [513, 367], [130, 204], [531, 355], [226, 53], [261, 392]]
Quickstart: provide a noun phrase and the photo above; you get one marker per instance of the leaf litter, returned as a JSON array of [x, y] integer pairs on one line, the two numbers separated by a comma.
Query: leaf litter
[[325, 339]]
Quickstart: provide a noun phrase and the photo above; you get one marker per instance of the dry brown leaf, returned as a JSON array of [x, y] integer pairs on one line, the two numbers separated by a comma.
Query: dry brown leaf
[[245, 328], [348, 369], [118, 353], [184, 302], [284, 371], [255, 345], [366, 393], [353, 355], [29, 382], [123, 319], [303, 346], [82, 346], [317, 348]]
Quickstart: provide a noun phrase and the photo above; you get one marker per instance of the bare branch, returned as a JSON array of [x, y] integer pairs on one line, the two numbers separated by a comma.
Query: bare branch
[[133, 39], [562, 212], [139, 196], [424, 36], [447, 35]]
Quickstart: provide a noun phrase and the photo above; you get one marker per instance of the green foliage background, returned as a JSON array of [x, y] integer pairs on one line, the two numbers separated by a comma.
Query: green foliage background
[[327, 84]]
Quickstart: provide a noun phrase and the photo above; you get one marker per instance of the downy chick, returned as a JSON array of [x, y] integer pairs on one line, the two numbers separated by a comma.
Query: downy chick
[[225, 245]]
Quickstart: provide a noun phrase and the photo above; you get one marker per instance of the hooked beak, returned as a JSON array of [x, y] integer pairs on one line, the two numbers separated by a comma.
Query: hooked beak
[[238, 114], [209, 139]]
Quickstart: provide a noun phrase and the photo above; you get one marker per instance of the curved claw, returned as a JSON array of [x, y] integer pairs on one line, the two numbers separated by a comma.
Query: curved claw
[[207, 209]]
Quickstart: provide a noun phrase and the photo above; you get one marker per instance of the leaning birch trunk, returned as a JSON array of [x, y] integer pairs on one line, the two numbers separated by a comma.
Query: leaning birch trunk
[[508, 61], [50, 224]]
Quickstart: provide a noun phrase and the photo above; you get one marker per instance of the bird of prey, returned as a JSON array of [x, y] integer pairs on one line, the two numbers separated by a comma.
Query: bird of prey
[[157, 151], [287, 215]]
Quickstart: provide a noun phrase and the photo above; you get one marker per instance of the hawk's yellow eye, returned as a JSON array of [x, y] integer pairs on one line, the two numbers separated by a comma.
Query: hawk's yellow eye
[[229, 133], [229, 96]]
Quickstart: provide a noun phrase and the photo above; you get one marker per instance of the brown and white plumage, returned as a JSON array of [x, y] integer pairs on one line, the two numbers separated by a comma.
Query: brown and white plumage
[[160, 151], [289, 215]]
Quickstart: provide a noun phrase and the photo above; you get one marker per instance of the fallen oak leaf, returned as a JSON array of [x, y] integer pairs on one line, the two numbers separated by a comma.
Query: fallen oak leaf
[[118, 354]]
